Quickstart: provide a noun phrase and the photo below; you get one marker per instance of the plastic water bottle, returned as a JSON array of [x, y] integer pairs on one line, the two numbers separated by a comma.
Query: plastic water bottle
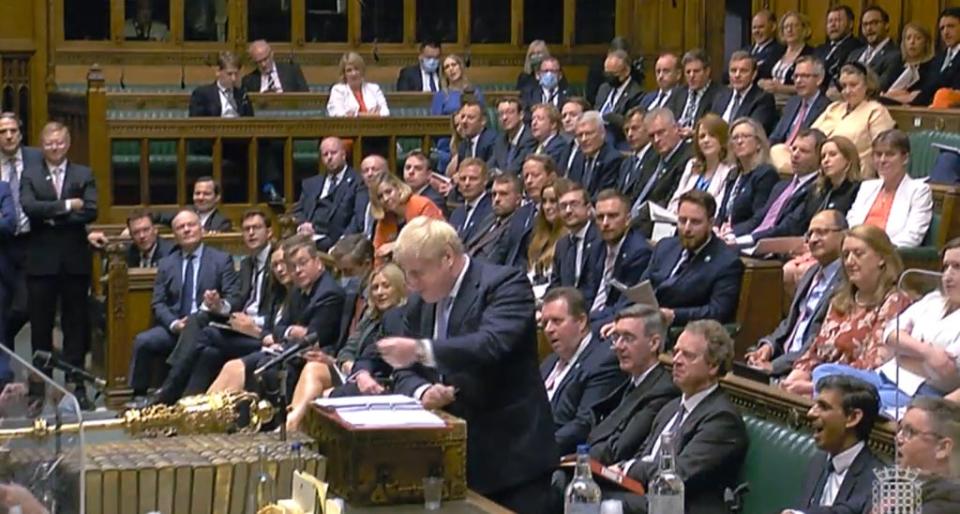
[[665, 495], [262, 492], [583, 494]]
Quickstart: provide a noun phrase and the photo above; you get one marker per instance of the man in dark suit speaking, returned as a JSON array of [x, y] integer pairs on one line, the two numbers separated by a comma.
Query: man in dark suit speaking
[[271, 76], [467, 343], [223, 98], [60, 198]]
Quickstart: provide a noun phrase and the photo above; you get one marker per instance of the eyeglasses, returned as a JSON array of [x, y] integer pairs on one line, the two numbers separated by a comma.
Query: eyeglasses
[[907, 432], [820, 232]]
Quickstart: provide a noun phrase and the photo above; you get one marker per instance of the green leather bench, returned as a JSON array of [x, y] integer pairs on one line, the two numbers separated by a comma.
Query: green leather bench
[[775, 466], [922, 155]]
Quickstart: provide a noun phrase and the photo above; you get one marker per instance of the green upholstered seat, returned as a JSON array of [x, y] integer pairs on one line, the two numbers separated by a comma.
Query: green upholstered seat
[[927, 255], [775, 466], [922, 155]]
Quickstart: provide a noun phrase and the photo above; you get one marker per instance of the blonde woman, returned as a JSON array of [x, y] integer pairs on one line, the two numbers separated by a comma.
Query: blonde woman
[[916, 48], [392, 204], [709, 167], [749, 185], [794, 32], [454, 85], [353, 96]]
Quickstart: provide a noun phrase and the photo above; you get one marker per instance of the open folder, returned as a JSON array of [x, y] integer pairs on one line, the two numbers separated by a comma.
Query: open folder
[[641, 293]]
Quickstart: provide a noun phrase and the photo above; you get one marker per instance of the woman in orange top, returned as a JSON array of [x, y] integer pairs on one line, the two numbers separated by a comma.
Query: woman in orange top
[[392, 204], [866, 299]]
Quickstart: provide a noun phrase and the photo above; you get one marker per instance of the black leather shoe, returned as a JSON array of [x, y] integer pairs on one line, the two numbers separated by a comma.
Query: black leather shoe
[[83, 400]]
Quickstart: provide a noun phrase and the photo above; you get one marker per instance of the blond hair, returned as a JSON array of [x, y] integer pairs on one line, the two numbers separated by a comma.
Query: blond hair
[[351, 59], [426, 238]]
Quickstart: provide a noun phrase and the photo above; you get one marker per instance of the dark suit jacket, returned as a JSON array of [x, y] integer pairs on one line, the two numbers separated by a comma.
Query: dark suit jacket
[[605, 169], [628, 98], [488, 138], [490, 356], [533, 95], [710, 450], [8, 227], [806, 50], [459, 215], [410, 78], [667, 175], [622, 423], [58, 237], [246, 284], [648, 98], [756, 104], [291, 79], [886, 63], [767, 57], [832, 62], [678, 100], [752, 194], [595, 373], [783, 360], [215, 223], [215, 272], [360, 201], [331, 216], [512, 246], [438, 199], [485, 241], [164, 248], [936, 79], [319, 309], [856, 491], [708, 288], [565, 259], [557, 147], [792, 220], [509, 161], [205, 101], [789, 114], [631, 171], [839, 199], [631, 262]]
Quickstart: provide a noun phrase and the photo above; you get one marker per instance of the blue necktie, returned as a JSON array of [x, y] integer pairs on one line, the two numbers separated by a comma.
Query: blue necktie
[[443, 317], [186, 294], [433, 82]]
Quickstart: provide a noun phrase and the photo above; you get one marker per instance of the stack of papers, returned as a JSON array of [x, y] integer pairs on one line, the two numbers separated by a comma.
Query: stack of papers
[[386, 411]]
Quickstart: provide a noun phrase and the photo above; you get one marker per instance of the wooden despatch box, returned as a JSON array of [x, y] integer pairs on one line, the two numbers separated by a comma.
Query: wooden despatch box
[[386, 466]]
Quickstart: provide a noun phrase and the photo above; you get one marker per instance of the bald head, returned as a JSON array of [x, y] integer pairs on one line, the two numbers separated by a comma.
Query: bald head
[[332, 154], [187, 230], [261, 53]]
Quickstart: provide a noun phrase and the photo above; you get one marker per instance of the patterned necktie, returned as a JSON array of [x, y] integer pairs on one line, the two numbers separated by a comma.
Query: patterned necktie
[[15, 192], [798, 121], [737, 100], [58, 181], [689, 112]]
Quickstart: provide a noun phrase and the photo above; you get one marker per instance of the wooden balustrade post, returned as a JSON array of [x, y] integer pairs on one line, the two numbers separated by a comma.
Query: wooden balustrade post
[[97, 136], [117, 351]]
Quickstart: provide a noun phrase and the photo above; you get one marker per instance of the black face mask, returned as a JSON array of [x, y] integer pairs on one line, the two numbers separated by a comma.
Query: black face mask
[[612, 79]]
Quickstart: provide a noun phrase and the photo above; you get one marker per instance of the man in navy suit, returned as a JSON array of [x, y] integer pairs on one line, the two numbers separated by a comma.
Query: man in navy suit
[[206, 199], [514, 141], [579, 372], [840, 480], [946, 63], [765, 49], [623, 256], [806, 106], [60, 198], [222, 98], [776, 353], [196, 277], [417, 173], [327, 202], [372, 167], [423, 76], [538, 172], [271, 76], [147, 247], [743, 97], [468, 344], [569, 116], [571, 258], [695, 275], [617, 94], [14, 159], [478, 139], [472, 184], [667, 72], [710, 439], [689, 103], [506, 194], [597, 162], [551, 88], [638, 139], [622, 420], [659, 174], [785, 214], [881, 53], [545, 129], [840, 41]]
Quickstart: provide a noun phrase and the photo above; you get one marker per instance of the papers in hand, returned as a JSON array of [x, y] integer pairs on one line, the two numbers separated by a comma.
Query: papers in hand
[[387, 411], [641, 293], [664, 222]]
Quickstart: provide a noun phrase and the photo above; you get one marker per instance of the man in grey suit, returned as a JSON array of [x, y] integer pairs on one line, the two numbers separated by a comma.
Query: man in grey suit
[[194, 278], [777, 352], [623, 419], [806, 106], [881, 54]]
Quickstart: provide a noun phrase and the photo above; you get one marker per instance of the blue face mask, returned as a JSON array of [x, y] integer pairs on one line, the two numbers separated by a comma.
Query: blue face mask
[[548, 80], [430, 64]]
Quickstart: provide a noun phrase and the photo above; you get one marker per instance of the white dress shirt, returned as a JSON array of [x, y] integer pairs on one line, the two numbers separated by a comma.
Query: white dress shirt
[[561, 368], [17, 159], [228, 107], [841, 464], [265, 81]]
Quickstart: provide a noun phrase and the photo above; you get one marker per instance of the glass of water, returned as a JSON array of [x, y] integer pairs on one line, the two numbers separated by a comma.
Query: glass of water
[[432, 492]]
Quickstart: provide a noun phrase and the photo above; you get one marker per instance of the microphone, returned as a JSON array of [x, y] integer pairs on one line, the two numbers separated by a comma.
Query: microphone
[[44, 359], [281, 357], [376, 51]]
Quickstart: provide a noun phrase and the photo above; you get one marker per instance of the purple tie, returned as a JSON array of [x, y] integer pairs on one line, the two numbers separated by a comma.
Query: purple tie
[[774, 212]]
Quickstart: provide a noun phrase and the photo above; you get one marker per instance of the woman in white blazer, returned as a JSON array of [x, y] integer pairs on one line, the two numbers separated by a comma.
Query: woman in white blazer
[[353, 96], [900, 205]]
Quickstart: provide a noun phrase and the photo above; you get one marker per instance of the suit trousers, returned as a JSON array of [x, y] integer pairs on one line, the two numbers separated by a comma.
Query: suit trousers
[[17, 312], [150, 347], [530, 497], [71, 292]]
